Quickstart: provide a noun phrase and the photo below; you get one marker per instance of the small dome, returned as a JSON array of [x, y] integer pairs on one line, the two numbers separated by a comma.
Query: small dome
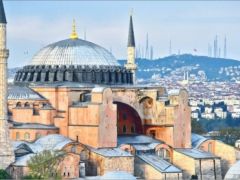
[[234, 172], [74, 52]]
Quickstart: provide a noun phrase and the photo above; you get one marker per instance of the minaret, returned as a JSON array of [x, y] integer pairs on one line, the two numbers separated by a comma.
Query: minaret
[[131, 65], [225, 47], [6, 150]]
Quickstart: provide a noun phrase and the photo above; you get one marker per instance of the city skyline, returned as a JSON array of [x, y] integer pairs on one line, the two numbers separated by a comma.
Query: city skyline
[[182, 23]]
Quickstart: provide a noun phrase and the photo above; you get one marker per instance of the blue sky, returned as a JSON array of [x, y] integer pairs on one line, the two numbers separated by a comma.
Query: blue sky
[[188, 24]]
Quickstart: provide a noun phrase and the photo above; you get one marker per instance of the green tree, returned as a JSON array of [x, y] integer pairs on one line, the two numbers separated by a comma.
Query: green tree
[[197, 127], [45, 165], [4, 174], [230, 135]]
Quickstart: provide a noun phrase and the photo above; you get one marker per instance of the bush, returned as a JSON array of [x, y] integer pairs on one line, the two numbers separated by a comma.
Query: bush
[[30, 177], [4, 174], [45, 165]]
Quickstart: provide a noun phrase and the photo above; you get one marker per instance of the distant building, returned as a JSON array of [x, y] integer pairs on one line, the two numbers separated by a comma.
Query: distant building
[[237, 144]]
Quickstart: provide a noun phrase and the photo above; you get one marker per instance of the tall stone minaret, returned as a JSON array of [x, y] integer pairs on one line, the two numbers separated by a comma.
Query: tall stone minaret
[[131, 65], [6, 150]]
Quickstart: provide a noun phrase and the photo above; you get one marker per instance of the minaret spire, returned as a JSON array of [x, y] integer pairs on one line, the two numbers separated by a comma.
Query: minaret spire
[[2, 14], [131, 39], [131, 51], [6, 150]]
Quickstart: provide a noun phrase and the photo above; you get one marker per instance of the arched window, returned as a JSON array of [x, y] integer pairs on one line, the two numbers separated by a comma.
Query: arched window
[[73, 149], [18, 104], [124, 129], [132, 129], [163, 153], [17, 135], [35, 109], [38, 135], [210, 147], [27, 105], [152, 133], [26, 136]]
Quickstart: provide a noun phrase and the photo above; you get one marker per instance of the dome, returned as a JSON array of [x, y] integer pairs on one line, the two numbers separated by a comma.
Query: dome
[[74, 60], [234, 172], [74, 52]]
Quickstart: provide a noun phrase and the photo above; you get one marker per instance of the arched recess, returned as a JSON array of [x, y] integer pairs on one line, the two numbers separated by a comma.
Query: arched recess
[[146, 106], [128, 119]]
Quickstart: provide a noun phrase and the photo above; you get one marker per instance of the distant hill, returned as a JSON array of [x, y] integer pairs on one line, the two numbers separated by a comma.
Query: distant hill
[[215, 68]]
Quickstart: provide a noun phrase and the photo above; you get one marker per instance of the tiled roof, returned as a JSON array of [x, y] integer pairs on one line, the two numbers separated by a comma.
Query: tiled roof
[[158, 163], [196, 153], [23, 92]]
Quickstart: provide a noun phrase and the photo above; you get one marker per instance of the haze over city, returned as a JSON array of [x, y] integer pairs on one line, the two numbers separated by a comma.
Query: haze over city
[[189, 25]]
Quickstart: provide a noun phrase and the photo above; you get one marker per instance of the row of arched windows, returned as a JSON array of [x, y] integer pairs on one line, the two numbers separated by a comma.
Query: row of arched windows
[[124, 129], [26, 136], [28, 105]]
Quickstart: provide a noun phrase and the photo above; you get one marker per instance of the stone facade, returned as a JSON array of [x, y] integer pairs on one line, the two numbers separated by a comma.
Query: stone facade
[[99, 165], [207, 168], [220, 149]]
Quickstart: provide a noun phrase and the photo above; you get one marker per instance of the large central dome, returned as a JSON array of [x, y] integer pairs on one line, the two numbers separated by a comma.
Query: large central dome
[[74, 60], [74, 52]]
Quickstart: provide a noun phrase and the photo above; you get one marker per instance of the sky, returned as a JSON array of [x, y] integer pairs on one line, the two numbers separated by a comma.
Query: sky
[[188, 24]]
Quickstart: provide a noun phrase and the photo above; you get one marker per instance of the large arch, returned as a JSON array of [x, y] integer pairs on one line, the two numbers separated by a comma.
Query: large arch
[[128, 120]]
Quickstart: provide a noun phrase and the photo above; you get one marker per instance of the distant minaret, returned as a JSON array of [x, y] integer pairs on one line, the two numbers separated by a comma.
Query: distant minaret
[[85, 34], [131, 65], [147, 50], [6, 150], [170, 48], [216, 47], [225, 48], [151, 53]]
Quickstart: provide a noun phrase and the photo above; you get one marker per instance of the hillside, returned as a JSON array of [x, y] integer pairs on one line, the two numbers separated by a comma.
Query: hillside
[[174, 66], [214, 68]]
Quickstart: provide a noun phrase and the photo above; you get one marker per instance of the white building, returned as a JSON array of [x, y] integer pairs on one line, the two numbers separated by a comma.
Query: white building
[[237, 144], [208, 115], [208, 109], [220, 113]]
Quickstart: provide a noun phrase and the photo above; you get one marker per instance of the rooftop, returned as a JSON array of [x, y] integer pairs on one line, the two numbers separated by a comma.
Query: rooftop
[[158, 163], [137, 139], [23, 92], [111, 152], [197, 140], [196, 154], [33, 126]]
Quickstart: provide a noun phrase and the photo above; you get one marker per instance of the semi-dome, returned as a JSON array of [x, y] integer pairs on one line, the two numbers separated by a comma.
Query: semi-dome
[[74, 52]]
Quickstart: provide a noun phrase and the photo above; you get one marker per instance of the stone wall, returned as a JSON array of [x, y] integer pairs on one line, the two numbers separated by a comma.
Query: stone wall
[[99, 165], [186, 163], [202, 168], [226, 152]]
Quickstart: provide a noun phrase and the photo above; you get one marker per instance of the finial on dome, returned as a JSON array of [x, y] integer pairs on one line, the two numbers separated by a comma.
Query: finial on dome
[[74, 34]]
